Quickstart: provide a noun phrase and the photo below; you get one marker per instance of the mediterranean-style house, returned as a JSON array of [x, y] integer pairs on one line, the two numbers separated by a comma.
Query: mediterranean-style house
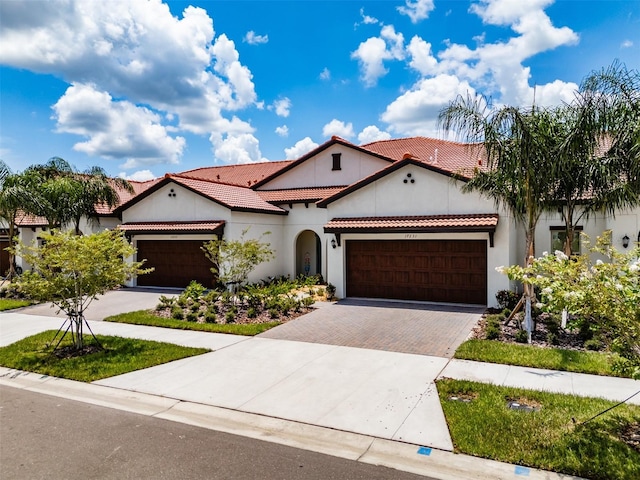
[[383, 220]]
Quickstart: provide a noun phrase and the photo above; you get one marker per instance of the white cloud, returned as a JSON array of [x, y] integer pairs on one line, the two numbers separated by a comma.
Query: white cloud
[[366, 19], [252, 39], [415, 112], [282, 107], [336, 127], [372, 134], [283, 131], [139, 176], [233, 149], [138, 52], [626, 44], [422, 59], [325, 74], [300, 148], [115, 130], [375, 50], [417, 10]]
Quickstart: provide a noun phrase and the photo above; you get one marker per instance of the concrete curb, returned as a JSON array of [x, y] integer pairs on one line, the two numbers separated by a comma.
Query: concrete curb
[[367, 449]]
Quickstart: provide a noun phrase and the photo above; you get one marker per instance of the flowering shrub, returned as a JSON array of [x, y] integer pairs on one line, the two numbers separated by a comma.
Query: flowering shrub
[[601, 296]]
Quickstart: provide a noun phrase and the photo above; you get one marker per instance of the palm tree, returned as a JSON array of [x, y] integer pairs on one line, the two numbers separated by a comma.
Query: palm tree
[[598, 161], [66, 195], [518, 144], [15, 197]]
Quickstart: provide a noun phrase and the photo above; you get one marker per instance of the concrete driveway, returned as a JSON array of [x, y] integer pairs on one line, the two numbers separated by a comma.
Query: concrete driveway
[[417, 328], [111, 303]]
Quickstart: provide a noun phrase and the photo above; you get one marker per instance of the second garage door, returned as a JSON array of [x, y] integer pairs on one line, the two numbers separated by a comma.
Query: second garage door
[[452, 271], [176, 263]]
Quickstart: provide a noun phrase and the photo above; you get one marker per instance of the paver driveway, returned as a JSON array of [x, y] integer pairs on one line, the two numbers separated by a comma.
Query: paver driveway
[[423, 329]]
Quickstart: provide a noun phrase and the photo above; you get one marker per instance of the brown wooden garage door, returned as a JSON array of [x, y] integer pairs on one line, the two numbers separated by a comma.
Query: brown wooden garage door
[[453, 271], [176, 263], [4, 257]]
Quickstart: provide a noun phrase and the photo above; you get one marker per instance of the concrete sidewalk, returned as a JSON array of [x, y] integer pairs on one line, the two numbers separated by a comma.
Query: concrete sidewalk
[[375, 405]]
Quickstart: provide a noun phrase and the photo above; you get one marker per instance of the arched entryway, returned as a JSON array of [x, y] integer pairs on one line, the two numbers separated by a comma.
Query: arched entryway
[[308, 253]]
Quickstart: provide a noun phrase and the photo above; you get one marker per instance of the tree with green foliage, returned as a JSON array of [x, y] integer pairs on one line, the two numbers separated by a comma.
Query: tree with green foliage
[[234, 260], [64, 196], [603, 297], [518, 144], [71, 271], [597, 165], [15, 196]]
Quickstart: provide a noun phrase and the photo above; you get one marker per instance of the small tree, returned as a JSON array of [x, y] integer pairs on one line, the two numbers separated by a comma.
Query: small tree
[[70, 271], [234, 260], [602, 296]]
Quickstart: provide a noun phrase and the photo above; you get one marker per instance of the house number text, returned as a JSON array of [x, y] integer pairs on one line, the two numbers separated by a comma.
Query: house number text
[[410, 235]]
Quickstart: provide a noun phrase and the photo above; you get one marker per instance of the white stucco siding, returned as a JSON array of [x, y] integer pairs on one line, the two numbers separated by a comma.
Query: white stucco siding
[[626, 222], [431, 194], [186, 205], [317, 171], [256, 226]]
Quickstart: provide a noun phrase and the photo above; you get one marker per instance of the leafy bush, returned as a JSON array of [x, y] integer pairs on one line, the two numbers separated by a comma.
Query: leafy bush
[[177, 312], [230, 316], [331, 291], [273, 313], [192, 317], [165, 302], [252, 312], [193, 291], [507, 299], [522, 336], [492, 330]]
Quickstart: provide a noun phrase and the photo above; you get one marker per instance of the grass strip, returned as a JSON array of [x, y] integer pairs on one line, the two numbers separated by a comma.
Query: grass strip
[[494, 351], [484, 426], [144, 317], [10, 303], [120, 355]]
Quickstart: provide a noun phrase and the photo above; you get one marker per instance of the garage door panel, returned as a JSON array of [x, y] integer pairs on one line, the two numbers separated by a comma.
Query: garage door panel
[[176, 263], [430, 270]]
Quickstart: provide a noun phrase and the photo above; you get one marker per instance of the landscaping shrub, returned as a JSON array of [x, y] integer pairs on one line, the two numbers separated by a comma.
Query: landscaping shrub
[[230, 317], [193, 291], [331, 291], [192, 317], [210, 317], [507, 299], [177, 313], [521, 336], [492, 330], [252, 312]]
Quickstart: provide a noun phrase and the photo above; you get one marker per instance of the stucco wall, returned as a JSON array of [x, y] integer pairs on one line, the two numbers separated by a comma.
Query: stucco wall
[[317, 171]]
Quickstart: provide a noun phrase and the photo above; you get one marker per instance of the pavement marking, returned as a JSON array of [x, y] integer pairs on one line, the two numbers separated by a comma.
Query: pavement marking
[[524, 471], [424, 451]]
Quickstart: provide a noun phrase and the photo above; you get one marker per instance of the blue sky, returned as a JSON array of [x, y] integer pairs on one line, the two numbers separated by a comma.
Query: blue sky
[[142, 88]]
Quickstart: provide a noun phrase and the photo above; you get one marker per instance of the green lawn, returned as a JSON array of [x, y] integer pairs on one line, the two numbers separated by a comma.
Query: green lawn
[[494, 351], [548, 438], [144, 317], [10, 303], [120, 355]]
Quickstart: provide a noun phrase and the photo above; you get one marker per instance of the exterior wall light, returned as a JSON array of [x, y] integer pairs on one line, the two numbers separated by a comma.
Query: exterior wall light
[[334, 244], [625, 241]]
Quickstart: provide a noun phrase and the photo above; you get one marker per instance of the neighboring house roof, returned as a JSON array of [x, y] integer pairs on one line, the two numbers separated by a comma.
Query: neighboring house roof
[[28, 220], [233, 197], [382, 173], [454, 157], [333, 141], [484, 222], [298, 195], [242, 175], [206, 226]]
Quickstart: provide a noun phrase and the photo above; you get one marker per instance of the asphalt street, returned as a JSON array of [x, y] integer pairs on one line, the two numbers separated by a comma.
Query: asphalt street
[[49, 437]]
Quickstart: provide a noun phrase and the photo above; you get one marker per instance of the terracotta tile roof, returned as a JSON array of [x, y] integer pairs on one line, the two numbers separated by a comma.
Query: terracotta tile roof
[[454, 157], [427, 223], [242, 175], [213, 226], [138, 188], [231, 196], [298, 195], [28, 220]]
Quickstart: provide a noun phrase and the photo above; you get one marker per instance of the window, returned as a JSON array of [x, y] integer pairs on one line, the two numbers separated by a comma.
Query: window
[[558, 235], [336, 161]]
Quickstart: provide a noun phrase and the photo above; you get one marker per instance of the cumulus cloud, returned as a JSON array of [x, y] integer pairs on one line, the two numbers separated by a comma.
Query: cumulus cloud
[[373, 52], [239, 148], [282, 107], [139, 176], [115, 129], [300, 148], [252, 39], [367, 19], [417, 10], [415, 112], [137, 52], [422, 59], [372, 134], [339, 128], [282, 130]]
